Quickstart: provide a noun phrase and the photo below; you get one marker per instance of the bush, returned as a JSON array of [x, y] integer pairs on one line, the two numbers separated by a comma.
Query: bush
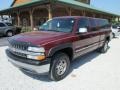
[[26, 29]]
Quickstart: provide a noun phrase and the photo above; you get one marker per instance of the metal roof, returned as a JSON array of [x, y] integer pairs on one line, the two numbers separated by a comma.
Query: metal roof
[[70, 3], [79, 5]]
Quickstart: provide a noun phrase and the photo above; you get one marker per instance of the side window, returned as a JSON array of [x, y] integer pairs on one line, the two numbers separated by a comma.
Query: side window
[[93, 24], [83, 23], [103, 23], [2, 25]]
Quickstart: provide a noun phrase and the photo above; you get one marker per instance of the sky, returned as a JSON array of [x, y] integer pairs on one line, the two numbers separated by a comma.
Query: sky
[[108, 5]]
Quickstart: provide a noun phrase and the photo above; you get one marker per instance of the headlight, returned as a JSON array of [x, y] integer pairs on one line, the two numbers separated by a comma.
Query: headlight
[[36, 49], [37, 53]]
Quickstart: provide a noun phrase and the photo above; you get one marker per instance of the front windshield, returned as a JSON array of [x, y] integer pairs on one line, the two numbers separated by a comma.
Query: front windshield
[[58, 25]]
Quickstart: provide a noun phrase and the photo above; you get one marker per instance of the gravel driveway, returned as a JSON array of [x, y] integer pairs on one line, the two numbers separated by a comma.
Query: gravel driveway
[[93, 71], [3, 41]]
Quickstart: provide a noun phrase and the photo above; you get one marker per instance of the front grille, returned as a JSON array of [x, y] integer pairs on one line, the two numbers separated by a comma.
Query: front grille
[[18, 45]]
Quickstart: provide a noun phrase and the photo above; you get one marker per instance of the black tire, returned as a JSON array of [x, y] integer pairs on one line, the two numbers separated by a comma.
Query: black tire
[[57, 70], [104, 48], [9, 33]]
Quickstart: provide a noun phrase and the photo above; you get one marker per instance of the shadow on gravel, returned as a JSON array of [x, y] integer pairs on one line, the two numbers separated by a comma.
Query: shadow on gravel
[[37, 77], [83, 60], [116, 37]]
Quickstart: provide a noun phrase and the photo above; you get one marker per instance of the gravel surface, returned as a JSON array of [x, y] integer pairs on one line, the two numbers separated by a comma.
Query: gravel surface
[[3, 41], [93, 71]]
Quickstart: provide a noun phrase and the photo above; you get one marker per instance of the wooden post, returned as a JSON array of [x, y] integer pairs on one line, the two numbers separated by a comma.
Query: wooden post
[[70, 12], [83, 13], [18, 18], [31, 19], [118, 19], [49, 11], [94, 15]]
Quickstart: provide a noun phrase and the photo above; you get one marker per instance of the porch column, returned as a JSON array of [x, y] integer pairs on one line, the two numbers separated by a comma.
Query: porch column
[[94, 15], [18, 18], [70, 12], [118, 19], [101, 16], [83, 13], [31, 19], [49, 11]]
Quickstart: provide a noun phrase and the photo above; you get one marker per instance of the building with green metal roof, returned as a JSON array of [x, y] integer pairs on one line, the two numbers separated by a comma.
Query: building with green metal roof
[[32, 13]]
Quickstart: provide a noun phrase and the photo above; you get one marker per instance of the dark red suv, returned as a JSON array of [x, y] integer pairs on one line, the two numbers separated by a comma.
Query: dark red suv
[[58, 42]]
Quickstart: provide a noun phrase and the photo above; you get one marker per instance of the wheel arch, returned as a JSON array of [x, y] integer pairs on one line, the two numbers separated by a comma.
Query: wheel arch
[[65, 48]]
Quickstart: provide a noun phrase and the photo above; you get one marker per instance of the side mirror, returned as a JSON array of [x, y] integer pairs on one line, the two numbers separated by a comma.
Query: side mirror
[[82, 30]]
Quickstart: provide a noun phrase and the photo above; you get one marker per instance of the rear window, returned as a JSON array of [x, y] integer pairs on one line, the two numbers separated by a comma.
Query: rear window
[[83, 23], [93, 24], [103, 23]]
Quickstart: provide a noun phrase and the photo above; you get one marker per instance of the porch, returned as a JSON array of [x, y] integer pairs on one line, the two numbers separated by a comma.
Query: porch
[[33, 14]]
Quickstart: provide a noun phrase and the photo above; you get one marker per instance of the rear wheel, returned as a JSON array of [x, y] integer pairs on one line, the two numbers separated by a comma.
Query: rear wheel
[[9, 34], [59, 67], [104, 48]]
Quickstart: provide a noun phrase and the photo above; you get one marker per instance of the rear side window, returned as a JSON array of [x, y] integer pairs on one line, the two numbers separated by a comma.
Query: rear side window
[[103, 23], [2, 25], [93, 24], [83, 23]]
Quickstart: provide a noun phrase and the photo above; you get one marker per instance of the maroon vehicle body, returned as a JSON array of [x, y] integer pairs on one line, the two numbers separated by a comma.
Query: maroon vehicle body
[[73, 43]]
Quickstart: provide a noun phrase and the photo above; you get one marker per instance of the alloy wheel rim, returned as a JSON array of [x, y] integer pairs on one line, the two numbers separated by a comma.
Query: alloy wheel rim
[[61, 67]]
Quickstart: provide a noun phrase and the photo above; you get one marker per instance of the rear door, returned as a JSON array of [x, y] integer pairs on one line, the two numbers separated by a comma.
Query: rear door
[[104, 30], [94, 33], [85, 40]]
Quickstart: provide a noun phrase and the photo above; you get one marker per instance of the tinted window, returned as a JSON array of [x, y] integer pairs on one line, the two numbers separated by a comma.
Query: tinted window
[[93, 24], [9, 24], [103, 23], [114, 26], [2, 25], [83, 22], [59, 25]]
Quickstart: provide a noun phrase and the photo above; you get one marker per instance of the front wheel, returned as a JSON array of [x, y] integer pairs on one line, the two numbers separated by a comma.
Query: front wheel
[[104, 48], [59, 67]]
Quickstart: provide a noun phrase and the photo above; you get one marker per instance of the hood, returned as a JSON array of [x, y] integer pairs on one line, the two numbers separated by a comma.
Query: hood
[[39, 37]]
